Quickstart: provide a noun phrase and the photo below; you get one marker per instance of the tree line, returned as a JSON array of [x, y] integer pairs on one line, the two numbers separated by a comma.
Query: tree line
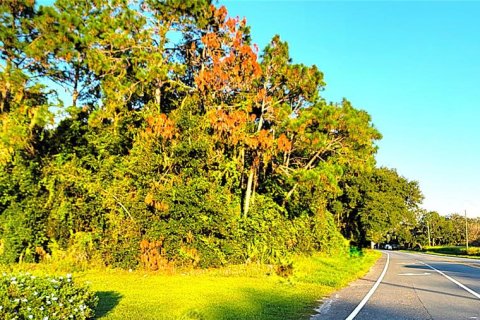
[[148, 132], [433, 229]]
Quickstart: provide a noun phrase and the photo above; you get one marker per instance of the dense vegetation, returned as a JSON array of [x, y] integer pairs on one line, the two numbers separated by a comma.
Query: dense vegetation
[[150, 133], [246, 291], [433, 229], [471, 252]]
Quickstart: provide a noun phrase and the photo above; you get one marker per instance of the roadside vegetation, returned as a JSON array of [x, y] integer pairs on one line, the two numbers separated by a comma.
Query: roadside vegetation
[[155, 136], [462, 251], [197, 149], [438, 231], [254, 291]]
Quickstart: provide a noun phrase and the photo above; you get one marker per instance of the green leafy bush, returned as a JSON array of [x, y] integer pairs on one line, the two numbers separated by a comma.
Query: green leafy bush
[[24, 296], [473, 251], [356, 252]]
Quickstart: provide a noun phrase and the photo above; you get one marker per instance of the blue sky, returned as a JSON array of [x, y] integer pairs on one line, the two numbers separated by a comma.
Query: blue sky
[[414, 66]]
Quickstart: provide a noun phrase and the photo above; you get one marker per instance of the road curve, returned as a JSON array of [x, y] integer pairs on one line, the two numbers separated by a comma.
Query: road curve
[[414, 286]]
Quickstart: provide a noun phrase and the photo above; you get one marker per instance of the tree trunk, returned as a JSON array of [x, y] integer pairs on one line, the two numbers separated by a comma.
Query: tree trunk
[[248, 193], [252, 199], [75, 86], [6, 90], [158, 97]]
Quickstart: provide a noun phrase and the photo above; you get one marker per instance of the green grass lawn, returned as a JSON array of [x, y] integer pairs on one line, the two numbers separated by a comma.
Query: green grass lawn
[[235, 292], [473, 252]]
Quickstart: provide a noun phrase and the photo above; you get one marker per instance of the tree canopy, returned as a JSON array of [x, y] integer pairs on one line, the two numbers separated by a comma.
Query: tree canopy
[[176, 140]]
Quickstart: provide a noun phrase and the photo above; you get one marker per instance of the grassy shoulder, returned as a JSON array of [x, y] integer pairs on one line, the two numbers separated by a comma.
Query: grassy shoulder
[[234, 292], [458, 251]]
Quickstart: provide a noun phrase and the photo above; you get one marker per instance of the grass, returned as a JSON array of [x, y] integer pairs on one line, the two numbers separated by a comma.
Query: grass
[[234, 292], [461, 251]]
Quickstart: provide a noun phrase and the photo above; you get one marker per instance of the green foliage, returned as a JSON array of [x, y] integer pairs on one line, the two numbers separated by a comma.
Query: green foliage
[[434, 229], [473, 251], [24, 296], [453, 250], [377, 205], [178, 133], [23, 219], [356, 252]]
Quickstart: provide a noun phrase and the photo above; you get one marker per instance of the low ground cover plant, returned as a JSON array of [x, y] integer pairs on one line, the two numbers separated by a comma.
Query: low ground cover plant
[[26, 296]]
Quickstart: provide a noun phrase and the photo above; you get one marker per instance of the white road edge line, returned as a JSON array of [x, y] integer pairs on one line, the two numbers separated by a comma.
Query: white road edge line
[[370, 293], [454, 281]]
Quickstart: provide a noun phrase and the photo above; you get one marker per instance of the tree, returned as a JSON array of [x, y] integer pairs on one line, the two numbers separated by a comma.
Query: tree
[[376, 204], [180, 141], [24, 117]]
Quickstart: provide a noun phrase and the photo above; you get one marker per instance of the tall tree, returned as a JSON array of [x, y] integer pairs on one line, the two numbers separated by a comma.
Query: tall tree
[[178, 134], [376, 204]]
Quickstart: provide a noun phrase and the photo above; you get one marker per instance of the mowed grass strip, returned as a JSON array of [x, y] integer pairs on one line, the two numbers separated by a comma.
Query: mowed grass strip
[[234, 292], [461, 251]]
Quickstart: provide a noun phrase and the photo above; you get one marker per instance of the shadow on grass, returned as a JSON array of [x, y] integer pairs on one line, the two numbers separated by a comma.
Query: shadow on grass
[[265, 305], [107, 301], [448, 250]]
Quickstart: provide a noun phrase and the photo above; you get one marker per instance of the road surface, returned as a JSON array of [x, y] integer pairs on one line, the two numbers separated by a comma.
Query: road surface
[[409, 286]]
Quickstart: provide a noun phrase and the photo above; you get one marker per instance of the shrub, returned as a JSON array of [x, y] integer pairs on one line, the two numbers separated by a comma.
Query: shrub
[[80, 254], [473, 251], [356, 252], [24, 296]]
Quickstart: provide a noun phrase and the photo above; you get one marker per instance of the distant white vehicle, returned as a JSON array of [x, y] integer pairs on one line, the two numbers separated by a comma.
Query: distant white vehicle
[[388, 247]]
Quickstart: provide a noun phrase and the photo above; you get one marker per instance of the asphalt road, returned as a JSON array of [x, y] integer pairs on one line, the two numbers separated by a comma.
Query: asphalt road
[[414, 286]]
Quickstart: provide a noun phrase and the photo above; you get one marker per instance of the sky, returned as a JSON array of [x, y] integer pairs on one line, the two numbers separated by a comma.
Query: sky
[[413, 66]]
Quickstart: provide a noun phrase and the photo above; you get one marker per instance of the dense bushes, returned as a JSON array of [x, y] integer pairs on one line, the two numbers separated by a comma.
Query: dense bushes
[[24, 296]]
